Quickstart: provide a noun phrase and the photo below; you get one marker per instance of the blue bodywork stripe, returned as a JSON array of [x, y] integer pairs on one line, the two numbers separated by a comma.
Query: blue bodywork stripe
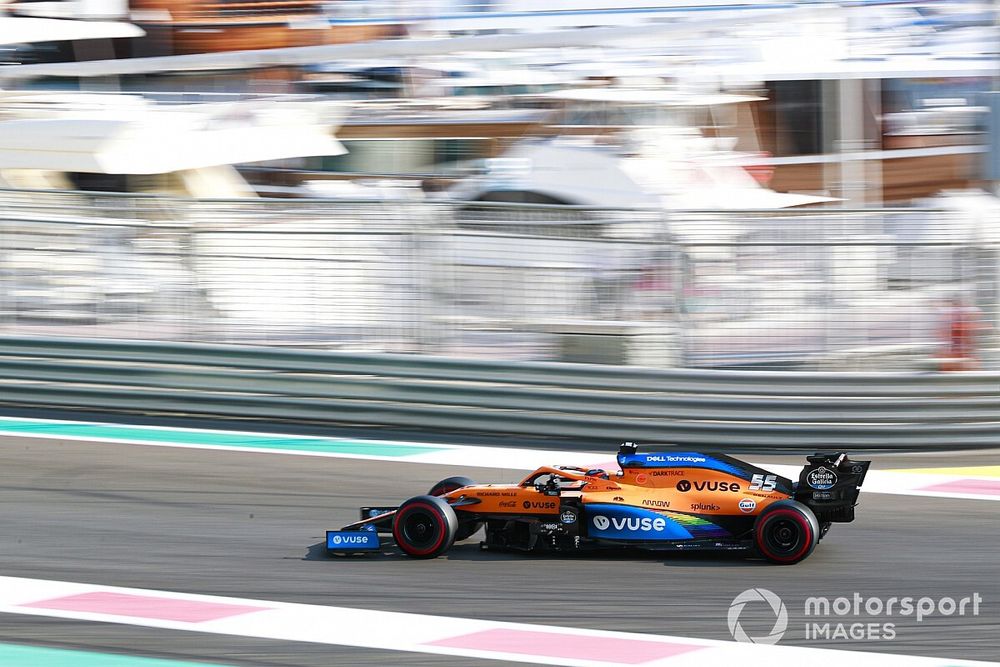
[[679, 460]]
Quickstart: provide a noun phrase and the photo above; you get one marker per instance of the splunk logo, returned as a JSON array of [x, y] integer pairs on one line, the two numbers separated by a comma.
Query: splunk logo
[[632, 523]]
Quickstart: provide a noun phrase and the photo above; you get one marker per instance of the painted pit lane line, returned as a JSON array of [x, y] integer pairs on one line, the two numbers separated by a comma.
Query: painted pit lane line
[[441, 635], [971, 483]]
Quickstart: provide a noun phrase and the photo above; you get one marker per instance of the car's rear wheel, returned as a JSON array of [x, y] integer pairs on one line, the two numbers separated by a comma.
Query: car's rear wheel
[[466, 528], [424, 527], [786, 532]]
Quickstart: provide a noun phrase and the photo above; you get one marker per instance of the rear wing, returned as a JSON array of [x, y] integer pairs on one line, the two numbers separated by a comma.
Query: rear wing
[[829, 484]]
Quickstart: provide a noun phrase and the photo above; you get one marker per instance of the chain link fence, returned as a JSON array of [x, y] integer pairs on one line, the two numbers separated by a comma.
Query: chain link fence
[[812, 290]]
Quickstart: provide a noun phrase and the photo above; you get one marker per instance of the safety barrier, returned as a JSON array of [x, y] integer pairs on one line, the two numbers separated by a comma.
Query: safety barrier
[[697, 407], [791, 289]]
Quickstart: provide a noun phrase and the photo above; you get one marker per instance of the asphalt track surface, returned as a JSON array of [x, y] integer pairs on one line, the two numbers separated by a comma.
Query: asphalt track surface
[[251, 525]]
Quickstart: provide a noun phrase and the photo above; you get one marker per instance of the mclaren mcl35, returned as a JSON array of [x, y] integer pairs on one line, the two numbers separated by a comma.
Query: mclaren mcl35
[[657, 501]]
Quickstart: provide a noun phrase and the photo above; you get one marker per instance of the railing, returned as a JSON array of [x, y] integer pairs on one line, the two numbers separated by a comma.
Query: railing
[[728, 409], [814, 290]]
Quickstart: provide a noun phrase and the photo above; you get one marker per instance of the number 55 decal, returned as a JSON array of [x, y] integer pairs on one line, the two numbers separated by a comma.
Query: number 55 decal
[[762, 483]]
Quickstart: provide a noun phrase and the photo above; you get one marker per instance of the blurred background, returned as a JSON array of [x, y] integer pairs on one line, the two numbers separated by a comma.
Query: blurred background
[[791, 185]]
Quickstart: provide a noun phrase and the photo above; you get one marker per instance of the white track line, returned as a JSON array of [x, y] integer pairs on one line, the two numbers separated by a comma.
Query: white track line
[[517, 642], [933, 485]]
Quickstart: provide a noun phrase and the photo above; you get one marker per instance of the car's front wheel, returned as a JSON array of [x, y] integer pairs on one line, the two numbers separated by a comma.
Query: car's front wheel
[[786, 532], [466, 528], [424, 527]]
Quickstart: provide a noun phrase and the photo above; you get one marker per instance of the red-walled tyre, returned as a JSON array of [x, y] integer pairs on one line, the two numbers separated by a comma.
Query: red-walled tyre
[[450, 484], [424, 527], [786, 532], [466, 529]]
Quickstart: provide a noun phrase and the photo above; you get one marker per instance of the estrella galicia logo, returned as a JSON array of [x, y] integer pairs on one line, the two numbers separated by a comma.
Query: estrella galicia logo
[[683, 486], [757, 595], [822, 478], [568, 516], [601, 522]]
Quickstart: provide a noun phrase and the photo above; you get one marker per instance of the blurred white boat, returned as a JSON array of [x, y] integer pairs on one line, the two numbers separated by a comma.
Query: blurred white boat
[[657, 164], [55, 140]]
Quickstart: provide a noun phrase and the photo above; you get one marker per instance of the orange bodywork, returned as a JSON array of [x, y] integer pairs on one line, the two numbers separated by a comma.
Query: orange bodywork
[[675, 489]]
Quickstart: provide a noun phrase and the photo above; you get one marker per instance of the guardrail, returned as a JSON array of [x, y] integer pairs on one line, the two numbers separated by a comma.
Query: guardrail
[[697, 407]]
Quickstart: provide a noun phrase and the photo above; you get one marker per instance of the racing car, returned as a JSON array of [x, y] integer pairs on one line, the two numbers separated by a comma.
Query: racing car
[[657, 501]]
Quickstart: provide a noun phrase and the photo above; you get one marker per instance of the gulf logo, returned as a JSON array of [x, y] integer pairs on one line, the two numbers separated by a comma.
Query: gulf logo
[[748, 505]]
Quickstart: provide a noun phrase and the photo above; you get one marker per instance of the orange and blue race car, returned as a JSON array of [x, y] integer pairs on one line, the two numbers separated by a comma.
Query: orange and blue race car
[[657, 501]]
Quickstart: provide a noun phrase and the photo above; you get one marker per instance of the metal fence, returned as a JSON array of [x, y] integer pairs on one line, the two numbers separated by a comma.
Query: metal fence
[[808, 290]]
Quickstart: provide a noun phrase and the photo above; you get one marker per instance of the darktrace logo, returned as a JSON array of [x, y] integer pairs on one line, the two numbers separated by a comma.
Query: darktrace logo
[[683, 486]]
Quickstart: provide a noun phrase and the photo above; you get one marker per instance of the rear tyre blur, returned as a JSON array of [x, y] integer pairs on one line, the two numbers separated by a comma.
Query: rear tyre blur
[[786, 532]]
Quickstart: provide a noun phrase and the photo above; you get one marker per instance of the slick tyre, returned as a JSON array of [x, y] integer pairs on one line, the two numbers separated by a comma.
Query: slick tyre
[[786, 532], [424, 527], [466, 529], [449, 485]]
